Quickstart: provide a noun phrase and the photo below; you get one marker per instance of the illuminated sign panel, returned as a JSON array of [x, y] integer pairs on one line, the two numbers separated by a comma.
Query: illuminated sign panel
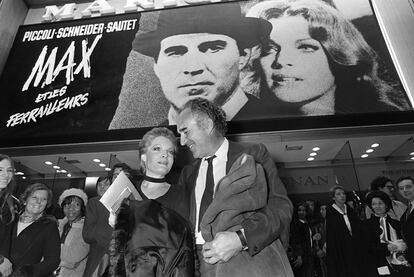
[[135, 70]]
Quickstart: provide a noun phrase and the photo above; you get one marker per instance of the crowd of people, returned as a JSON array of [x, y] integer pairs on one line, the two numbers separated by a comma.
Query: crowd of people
[[355, 238], [226, 216]]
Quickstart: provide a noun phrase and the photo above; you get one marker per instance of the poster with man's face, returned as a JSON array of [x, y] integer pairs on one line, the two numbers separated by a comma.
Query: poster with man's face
[[258, 60]]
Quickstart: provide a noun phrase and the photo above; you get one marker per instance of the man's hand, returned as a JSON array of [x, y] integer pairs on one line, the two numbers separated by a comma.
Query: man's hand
[[6, 267], [224, 246], [317, 236]]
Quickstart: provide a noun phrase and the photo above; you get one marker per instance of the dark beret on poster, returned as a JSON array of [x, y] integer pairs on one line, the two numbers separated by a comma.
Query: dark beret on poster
[[224, 19]]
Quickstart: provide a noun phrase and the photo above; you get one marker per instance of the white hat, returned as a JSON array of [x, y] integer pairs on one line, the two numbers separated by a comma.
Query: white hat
[[73, 192]]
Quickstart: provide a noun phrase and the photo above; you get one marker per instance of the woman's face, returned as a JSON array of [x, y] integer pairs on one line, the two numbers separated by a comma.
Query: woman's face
[[339, 196], [322, 210], [73, 209], [295, 66], [6, 173], [36, 203], [158, 157], [378, 206], [302, 212]]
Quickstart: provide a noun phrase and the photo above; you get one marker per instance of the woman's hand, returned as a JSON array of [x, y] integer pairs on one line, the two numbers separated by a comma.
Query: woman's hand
[[392, 247], [317, 236], [6, 267]]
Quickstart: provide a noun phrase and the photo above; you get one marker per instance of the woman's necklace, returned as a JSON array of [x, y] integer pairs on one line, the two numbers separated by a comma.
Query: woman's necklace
[[154, 180], [27, 218], [153, 190]]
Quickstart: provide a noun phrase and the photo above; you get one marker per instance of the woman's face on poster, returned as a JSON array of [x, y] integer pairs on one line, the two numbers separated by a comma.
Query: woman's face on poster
[[295, 65]]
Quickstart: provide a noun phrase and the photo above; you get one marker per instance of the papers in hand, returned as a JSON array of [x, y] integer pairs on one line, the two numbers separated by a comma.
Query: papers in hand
[[120, 189]]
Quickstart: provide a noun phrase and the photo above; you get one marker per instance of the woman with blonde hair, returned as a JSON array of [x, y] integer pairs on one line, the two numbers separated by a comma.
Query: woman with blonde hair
[[151, 237], [35, 244]]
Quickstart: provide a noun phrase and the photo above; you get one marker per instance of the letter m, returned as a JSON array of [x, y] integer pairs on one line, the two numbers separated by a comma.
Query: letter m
[[53, 13], [41, 67]]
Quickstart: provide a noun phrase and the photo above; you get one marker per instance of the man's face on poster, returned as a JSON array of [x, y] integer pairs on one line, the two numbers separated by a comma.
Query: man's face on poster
[[198, 65]]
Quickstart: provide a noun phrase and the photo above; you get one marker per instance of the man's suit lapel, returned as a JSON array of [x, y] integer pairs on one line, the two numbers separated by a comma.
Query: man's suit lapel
[[404, 219], [234, 151]]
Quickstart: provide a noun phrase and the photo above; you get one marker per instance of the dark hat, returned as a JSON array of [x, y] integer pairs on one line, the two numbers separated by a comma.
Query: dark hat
[[223, 18]]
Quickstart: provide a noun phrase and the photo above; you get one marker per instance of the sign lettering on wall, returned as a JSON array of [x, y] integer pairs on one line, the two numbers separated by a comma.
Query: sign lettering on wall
[[102, 7]]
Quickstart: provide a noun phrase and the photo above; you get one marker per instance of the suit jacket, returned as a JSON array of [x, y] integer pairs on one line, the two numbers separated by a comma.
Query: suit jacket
[[35, 252], [97, 232], [238, 195], [268, 223], [407, 230]]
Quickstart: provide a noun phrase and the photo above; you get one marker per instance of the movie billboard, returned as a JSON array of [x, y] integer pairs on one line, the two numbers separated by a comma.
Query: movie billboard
[[256, 59]]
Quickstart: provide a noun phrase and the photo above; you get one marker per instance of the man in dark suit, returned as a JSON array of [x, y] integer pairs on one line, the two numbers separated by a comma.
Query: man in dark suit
[[406, 188], [202, 127]]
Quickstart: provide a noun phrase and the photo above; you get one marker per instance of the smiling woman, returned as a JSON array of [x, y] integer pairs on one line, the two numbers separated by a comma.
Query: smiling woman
[[7, 211], [156, 226], [35, 247], [74, 249]]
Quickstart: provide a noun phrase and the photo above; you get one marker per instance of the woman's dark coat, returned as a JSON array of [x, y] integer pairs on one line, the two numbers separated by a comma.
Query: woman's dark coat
[[35, 252]]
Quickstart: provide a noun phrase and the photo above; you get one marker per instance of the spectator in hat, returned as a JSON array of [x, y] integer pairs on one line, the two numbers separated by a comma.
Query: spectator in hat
[[201, 51], [74, 250]]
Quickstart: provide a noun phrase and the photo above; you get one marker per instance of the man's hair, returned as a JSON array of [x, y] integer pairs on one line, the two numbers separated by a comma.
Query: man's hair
[[124, 167], [379, 182], [200, 107], [404, 178]]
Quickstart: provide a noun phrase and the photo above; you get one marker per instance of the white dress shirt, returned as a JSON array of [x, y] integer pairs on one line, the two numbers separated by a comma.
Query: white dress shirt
[[219, 171]]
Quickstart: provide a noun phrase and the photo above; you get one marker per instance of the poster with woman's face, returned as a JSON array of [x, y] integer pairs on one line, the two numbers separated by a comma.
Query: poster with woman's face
[[257, 60], [319, 58]]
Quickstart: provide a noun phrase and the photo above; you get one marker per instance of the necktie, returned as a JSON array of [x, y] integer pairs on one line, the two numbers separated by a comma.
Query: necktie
[[208, 191], [407, 214], [66, 229]]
